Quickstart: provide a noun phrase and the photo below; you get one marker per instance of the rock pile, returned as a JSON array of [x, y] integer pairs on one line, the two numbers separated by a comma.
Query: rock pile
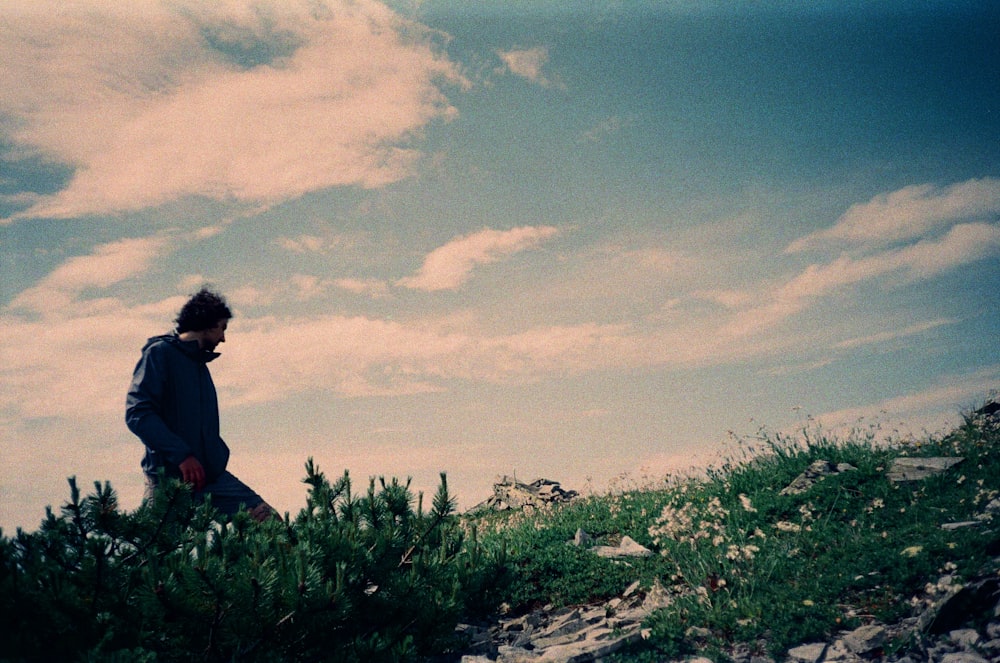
[[511, 494]]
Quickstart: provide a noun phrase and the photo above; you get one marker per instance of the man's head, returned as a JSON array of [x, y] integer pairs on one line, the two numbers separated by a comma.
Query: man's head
[[205, 317]]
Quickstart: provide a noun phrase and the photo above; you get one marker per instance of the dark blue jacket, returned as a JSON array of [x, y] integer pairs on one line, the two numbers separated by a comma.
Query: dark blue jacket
[[173, 408]]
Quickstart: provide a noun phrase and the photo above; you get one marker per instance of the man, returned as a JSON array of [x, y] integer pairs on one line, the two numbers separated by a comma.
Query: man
[[173, 408]]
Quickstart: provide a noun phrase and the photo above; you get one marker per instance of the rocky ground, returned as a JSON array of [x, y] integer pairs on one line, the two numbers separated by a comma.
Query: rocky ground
[[952, 622]]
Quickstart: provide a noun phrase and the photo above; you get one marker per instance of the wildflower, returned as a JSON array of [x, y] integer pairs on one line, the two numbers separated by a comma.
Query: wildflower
[[912, 551], [808, 603]]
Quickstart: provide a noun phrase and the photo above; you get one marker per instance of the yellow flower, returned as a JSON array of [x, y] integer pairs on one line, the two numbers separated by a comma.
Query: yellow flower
[[808, 603], [912, 551]]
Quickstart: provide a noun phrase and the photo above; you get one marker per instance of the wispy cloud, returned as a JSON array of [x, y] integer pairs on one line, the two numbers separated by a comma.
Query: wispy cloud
[[909, 235], [909, 213], [894, 334], [374, 288], [155, 102], [527, 63], [449, 266], [107, 264], [932, 409]]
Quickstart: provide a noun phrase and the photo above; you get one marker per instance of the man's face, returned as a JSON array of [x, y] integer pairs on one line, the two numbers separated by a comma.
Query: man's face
[[212, 337]]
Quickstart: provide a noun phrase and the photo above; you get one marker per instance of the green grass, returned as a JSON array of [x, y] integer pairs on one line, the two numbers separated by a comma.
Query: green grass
[[747, 565], [372, 576]]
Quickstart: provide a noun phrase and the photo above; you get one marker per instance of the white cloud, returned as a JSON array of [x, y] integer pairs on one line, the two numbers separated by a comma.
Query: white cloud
[[147, 109], [909, 213], [360, 356], [963, 244], [449, 266], [527, 63], [933, 409], [606, 128], [106, 265], [303, 244], [894, 334], [374, 288]]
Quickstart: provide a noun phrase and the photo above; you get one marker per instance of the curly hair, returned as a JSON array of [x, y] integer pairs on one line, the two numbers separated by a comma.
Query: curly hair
[[203, 311]]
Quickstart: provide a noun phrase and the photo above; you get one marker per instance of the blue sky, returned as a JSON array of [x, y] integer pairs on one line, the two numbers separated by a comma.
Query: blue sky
[[586, 241]]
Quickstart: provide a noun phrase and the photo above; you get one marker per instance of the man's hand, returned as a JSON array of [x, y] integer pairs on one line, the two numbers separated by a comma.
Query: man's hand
[[192, 472]]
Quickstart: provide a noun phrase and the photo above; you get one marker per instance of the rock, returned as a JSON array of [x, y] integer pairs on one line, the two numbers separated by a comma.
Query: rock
[[989, 410], [582, 538], [917, 469], [814, 473], [811, 653], [627, 548], [958, 607], [962, 525], [965, 637], [963, 657], [865, 639], [510, 494]]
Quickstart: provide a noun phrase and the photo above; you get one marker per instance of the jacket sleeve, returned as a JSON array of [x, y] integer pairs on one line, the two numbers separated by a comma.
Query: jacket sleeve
[[144, 407]]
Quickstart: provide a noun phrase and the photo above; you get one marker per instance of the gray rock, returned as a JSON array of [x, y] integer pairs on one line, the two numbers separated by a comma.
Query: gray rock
[[965, 637], [961, 525], [865, 639], [963, 657], [838, 652], [627, 548], [917, 469], [582, 538], [815, 472], [509, 493], [811, 653]]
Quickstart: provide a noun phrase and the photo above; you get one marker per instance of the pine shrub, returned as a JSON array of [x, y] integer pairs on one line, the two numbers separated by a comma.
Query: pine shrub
[[355, 577]]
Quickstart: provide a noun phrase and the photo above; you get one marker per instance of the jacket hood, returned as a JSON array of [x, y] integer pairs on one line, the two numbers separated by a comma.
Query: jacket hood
[[190, 348]]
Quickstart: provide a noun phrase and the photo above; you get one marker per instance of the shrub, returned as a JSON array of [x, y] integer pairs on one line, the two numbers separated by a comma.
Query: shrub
[[354, 578]]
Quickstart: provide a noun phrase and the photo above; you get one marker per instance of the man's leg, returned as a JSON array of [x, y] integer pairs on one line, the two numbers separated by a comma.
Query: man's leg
[[229, 494], [149, 492]]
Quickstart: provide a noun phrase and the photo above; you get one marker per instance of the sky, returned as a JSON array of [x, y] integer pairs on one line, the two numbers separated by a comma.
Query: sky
[[593, 242]]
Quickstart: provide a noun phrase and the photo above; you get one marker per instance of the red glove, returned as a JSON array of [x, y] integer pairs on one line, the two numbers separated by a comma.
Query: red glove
[[192, 472]]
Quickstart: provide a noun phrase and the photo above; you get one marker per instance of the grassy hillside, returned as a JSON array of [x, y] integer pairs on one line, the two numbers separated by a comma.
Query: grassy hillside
[[746, 564], [738, 561]]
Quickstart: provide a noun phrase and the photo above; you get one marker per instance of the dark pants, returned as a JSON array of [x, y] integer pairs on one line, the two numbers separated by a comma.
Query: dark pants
[[228, 494]]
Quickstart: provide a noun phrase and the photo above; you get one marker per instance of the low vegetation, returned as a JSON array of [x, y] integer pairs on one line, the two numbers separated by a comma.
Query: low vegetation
[[377, 577], [746, 564]]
